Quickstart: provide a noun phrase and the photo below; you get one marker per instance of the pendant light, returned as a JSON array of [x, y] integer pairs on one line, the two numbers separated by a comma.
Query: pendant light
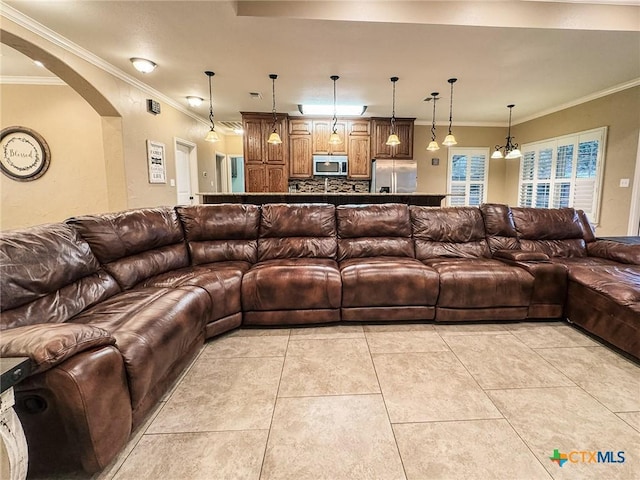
[[212, 136], [511, 148], [433, 145], [334, 138], [393, 139], [274, 138], [450, 139]]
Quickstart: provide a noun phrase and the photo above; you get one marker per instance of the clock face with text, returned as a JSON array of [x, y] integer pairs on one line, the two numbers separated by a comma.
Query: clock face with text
[[24, 154]]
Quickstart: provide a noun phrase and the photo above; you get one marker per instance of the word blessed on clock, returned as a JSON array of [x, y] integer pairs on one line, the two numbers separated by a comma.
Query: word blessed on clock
[[583, 456]]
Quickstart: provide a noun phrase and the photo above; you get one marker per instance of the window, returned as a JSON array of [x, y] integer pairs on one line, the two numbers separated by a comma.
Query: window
[[564, 172], [468, 171]]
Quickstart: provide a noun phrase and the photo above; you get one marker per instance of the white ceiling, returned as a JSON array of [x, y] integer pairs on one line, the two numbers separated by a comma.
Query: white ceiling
[[556, 54]]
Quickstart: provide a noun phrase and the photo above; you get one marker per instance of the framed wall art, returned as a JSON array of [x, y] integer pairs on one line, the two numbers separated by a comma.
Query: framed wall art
[[156, 161], [24, 154]]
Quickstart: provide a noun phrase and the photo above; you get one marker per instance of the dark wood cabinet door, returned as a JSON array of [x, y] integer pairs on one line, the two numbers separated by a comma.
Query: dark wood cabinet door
[[300, 157], [277, 179], [381, 129], [275, 153], [253, 140], [359, 158], [404, 130], [255, 178]]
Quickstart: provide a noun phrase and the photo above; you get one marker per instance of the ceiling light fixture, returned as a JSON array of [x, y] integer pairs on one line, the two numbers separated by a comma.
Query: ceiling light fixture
[[334, 138], [450, 140], [393, 139], [194, 101], [341, 110], [274, 138], [212, 136], [433, 145], [511, 148], [143, 65]]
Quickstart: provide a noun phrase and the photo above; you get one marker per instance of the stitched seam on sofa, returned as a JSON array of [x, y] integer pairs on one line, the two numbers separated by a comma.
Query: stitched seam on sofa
[[60, 353]]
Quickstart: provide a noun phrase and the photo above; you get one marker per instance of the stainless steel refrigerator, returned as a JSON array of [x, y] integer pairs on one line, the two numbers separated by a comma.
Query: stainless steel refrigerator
[[393, 176]]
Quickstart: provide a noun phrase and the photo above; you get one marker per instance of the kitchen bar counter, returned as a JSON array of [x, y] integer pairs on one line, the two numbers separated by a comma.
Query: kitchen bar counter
[[333, 198]]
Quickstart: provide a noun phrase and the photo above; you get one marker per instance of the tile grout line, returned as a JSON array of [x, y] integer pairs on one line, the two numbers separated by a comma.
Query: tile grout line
[[275, 404], [384, 402]]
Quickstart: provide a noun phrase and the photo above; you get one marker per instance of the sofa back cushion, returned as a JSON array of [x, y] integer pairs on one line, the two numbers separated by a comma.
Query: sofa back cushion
[[374, 231], [448, 232], [297, 231], [48, 274], [557, 232], [135, 245], [498, 223], [218, 233]]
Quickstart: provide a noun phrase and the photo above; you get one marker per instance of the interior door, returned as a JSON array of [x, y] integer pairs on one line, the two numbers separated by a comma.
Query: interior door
[[183, 175]]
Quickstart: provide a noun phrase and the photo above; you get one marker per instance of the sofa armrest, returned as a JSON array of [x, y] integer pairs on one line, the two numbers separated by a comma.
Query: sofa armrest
[[49, 344], [521, 256], [618, 252]]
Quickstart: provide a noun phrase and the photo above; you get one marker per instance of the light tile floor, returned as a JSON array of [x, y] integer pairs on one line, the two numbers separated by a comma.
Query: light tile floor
[[483, 401]]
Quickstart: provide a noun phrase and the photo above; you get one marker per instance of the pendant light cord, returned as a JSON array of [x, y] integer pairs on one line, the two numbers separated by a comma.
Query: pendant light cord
[[273, 96], [433, 123], [335, 112], [210, 74], [451, 81], [393, 106]]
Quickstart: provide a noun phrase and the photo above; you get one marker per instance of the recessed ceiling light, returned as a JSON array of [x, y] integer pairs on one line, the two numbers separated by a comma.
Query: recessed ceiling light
[[194, 101], [328, 109], [38, 63], [143, 65]]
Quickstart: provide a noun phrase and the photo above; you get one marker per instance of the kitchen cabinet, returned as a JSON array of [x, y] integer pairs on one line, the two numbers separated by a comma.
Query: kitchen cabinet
[[300, 156], [360, 127], [380, 131], [322, 130], [266, 164], [359, 157]]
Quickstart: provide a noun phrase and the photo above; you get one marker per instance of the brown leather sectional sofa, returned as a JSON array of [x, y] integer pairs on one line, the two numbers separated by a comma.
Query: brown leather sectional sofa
[[111, 308]]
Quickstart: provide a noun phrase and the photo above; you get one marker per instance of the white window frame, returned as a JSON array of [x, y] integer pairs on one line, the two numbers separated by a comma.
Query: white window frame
[[599, 134], [468, 151]]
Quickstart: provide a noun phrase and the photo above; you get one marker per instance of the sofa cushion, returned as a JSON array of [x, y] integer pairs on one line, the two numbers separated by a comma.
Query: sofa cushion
[[499, 226], [136, 244], [448, 232], [153, 328], [387, 282], [292, 284], [48, 274], [556, 232], [221, 280], [49, 345], [374, 231], [297, 231], [218, 233], [481, 283], [621, 283], [615, 251]]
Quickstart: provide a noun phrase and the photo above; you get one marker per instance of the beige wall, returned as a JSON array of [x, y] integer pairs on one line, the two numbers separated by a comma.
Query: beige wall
[[433, 179], [620, 112], [76, 181]]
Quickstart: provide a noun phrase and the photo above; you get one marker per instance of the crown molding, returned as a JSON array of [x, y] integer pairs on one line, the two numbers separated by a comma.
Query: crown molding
[[593, 96], [24, 80], [49, 35], [461, 124]]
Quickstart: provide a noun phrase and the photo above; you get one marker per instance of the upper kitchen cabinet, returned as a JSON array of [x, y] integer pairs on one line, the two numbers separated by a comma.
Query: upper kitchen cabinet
[[360, 127], [266, 164], [322, 130], [359, 158], [300, 156], [380, 131]]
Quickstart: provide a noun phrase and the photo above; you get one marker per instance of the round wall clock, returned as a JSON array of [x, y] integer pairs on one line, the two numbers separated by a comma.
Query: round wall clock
[[24, 155]]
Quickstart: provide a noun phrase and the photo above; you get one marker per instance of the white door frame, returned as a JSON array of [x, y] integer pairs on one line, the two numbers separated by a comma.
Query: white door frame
[[634, 213], [193, 166], [225, 171]]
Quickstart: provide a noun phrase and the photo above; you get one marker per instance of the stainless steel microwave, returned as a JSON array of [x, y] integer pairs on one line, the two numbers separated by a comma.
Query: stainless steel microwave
[[330, 165]]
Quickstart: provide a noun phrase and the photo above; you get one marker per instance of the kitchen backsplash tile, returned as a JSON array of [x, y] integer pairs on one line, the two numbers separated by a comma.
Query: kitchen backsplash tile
[[333, 185]]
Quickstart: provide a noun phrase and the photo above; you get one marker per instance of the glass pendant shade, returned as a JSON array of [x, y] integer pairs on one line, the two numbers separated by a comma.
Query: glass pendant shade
[[433, 146], [449, 140], [212, 136], [274, 138], [513, 154], [334, 139], [393, 140], [497, 154]]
